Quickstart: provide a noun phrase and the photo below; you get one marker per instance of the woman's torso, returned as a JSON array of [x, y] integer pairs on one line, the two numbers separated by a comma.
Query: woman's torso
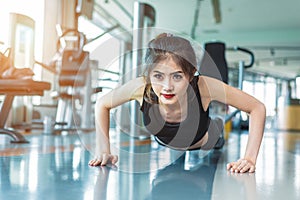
[[182, 134]]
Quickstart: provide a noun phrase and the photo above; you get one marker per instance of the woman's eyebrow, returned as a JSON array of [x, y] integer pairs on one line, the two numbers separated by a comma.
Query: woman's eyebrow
[[157, 72], [176, 72]]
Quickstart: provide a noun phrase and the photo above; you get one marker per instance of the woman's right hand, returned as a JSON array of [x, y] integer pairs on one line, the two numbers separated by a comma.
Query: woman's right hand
[[104, 159]]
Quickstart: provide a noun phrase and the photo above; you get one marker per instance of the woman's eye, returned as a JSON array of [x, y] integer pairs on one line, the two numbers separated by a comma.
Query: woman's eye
[[158, 76], [177, 76]]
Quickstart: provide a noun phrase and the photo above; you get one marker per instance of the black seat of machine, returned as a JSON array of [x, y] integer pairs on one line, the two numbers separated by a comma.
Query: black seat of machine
[[214, 63]]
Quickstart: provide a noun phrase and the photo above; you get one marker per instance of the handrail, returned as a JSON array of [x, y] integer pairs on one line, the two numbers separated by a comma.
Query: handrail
[[242, 66], [252, 58]]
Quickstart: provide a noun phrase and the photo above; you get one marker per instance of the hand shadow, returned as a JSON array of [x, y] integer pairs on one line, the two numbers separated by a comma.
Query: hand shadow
[[100, 188], [247, 181], [175, 182]]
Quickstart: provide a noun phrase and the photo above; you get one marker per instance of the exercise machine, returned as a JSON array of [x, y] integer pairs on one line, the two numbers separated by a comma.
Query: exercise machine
[[71, 64], [11, 85], [214, 64]]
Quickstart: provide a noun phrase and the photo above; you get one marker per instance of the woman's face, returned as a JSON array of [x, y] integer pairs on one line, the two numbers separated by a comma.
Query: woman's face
[[169, 82]]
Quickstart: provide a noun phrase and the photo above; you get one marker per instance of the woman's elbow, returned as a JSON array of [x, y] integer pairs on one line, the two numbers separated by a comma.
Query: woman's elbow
[[261, 109], [101, 104]]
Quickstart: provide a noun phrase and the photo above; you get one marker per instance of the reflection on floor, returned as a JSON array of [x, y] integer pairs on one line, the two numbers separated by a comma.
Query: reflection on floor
[[55, 167]]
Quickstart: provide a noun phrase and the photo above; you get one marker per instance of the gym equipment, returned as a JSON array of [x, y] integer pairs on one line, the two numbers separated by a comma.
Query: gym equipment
[[72, 66], [214, 64], [15, 82], [17, 87], [74, 78], [242, 67]]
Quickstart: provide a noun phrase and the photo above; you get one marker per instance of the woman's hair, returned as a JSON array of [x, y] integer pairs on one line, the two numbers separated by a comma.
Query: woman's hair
[[166, 46]]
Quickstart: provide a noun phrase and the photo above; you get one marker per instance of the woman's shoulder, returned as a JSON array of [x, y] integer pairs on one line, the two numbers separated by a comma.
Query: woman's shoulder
[[137, 86], [136, 83], [213, 88], [205, 84], [203, 79]]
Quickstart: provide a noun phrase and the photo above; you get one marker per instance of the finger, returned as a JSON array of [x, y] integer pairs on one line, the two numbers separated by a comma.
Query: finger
[[105, 159], [229, 166], [234, 167], [95, 162], [249, 167], [252, 169], [243, 163], [91, 162], [114, 159], [233, 164], [238, 164], [243, 166]]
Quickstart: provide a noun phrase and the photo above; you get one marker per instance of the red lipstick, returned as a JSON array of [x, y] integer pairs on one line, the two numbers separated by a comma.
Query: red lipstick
[[168, 96]]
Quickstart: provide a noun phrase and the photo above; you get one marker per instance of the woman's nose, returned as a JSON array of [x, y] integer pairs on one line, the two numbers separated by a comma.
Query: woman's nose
[[168, 85]]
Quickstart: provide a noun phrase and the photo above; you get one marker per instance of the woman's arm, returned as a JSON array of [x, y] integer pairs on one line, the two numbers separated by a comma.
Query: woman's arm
[[133, 90], [224, 93]]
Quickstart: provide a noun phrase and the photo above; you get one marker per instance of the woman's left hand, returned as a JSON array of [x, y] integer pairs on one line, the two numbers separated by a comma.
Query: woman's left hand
[[241, 166]]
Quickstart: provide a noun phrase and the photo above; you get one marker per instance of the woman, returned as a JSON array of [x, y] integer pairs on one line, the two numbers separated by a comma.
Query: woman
[[174, 100]]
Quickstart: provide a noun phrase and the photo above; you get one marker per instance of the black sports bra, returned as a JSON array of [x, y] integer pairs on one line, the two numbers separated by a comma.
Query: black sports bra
[[185, 133]]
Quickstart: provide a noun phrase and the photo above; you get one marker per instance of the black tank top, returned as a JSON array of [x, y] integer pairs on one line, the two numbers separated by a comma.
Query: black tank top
[[185, 133]]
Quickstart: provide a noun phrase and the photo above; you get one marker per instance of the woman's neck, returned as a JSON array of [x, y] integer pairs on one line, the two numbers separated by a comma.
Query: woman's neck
[[176, 112]]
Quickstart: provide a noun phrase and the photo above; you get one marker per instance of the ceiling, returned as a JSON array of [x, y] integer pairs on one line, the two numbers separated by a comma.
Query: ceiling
[[269, 28]]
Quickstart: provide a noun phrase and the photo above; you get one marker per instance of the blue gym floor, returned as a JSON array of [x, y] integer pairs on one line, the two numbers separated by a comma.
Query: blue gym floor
[[56, 167]]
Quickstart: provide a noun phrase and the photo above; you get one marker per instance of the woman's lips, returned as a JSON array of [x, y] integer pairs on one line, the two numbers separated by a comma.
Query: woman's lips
[[168, 96]]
